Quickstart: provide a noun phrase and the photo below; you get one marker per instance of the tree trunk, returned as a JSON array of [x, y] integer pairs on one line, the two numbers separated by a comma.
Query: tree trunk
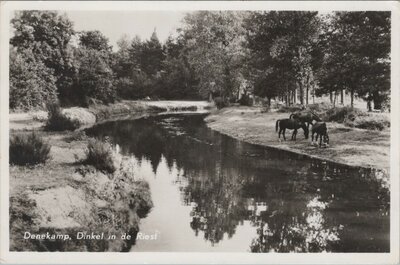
[[307, 87], [341, 97], [334, 99], [331, 97], [301, 93], [352, 98], [294, 95], [378, 99]]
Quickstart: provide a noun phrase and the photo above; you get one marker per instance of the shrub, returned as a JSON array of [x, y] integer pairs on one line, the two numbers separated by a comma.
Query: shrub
[[57, 121], [100, 155], [245, 100], [370, 122], [357, 118], [343, 113], [141, 198], [320, 107], [290, 109], [28, 149], [220, 102]]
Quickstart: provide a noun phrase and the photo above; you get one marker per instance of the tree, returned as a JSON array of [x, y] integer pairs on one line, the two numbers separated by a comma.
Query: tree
[[281, 46], [179, 81], [357, 55], [47, 34], [94, 77], [214, 51], [152, 55], [32, 84], [95, 40]]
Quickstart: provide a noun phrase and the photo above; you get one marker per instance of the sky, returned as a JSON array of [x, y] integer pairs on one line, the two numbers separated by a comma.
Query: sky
[[114, 24]]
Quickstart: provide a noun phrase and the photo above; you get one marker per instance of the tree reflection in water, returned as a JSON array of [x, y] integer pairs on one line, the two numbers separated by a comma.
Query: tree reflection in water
[[297, 204]]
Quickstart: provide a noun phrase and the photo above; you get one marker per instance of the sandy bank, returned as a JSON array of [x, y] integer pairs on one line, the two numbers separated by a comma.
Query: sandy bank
[[96, 113], [350, 146]]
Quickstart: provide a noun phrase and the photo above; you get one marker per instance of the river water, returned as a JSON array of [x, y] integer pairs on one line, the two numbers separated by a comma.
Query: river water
[[214, 193]]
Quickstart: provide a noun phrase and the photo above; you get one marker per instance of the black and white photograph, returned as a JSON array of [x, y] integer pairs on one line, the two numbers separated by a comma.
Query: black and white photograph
[[254, 128]]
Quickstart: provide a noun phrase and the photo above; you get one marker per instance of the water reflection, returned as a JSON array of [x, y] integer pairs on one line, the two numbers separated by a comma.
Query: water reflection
[[293, 203]]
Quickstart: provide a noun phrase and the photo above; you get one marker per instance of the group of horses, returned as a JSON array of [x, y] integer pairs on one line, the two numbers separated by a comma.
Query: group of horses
[[304, 119]]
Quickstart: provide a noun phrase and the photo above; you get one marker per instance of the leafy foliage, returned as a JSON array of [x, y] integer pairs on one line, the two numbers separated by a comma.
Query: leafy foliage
[[281, 55], [213, 41], [47, 34], [357, 55], [94, 77], [100, 155], [57, 121], [32, 84], [28, 149]]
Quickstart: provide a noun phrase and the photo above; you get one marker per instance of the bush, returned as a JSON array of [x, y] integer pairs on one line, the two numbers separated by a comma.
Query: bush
[[245, 100], [220, 102], [57, 121], [320, 108], [370, 122], [357, 118], [343, 113], [291, 109], [100, 155], [28, 150], [141, 198]]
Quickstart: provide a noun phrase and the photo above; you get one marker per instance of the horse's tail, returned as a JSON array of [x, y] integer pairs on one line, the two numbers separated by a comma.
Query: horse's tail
[[277, 125]]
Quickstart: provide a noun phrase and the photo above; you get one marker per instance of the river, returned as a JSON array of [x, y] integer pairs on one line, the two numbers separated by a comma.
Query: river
[[214, 193]]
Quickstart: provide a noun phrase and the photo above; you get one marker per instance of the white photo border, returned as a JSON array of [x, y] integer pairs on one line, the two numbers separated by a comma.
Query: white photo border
[[6, 256]]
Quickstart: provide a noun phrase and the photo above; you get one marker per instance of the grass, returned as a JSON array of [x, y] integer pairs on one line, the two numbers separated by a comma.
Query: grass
[[28, 149]]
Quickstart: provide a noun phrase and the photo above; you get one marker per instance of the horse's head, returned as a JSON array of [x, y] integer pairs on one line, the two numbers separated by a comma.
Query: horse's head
[[305, 129], [315, 116]]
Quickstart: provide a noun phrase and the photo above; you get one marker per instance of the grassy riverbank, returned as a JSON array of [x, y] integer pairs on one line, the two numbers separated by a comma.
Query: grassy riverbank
[[351, 146], [64, 196]]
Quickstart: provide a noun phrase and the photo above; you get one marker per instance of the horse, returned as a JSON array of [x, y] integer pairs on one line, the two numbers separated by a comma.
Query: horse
[[321, 130], [305, 116], [292, 125]]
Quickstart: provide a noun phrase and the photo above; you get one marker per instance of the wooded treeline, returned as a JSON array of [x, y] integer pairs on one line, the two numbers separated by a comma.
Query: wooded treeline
[[288, 55]]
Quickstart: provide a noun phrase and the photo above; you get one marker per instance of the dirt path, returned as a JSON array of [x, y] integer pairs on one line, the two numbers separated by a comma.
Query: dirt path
[[350, 146]]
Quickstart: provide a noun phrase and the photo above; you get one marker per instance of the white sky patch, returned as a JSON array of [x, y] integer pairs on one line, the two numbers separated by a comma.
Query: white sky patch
[[114, 24]]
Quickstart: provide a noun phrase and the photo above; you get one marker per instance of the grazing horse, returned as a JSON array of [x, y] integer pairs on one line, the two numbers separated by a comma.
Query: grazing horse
[[320, 129], [305, 116], [292, 125]]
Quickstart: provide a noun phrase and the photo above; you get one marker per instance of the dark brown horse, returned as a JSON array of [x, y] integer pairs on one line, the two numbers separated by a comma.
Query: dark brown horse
[[305, 116], [320, 129], [290, 124]]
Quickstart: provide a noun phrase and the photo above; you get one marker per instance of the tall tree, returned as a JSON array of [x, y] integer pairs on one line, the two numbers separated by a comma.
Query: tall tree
[[357, 55], [32, 84], [214, 50], [281, 47], [47, 34], [94, 39]]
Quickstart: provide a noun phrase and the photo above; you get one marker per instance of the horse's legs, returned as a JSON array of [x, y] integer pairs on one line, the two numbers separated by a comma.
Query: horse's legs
[[284, 137], [294, 134], [320, 140]]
